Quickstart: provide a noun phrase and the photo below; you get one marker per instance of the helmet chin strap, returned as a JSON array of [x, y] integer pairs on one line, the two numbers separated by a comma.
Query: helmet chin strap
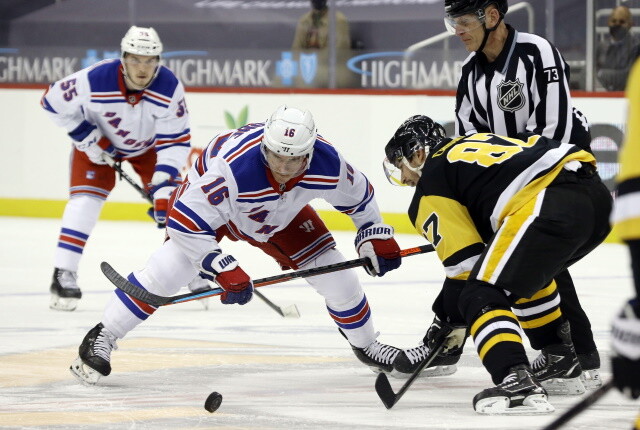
[[487, 31], [417, 170]]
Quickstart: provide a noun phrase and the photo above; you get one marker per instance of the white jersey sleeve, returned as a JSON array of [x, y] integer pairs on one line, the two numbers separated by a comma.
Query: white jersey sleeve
[[205, 205], [173, 134], [354, 196], [65, 102]]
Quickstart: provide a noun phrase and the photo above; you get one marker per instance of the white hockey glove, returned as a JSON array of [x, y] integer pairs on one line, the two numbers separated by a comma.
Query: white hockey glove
[[95, 146], [625, 349], [376, 242], [161, 187], [455, 339], [237, 286]]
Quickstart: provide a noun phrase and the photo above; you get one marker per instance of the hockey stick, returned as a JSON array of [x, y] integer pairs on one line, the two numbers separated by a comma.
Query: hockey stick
[[155, 300], [121, 173], [288, 312], [580, 406], [383, 387]]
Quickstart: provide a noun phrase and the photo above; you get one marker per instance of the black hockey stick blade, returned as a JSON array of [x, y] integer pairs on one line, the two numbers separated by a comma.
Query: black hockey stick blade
[[580, 406], [290, 311], [134, 291], [383, 386], [156, 300]]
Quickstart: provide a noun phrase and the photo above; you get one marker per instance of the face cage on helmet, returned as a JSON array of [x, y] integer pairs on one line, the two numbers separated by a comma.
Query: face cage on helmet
[[392, 168]]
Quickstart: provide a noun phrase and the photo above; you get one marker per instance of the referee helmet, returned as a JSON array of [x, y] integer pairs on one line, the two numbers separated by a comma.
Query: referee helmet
[[454, 8]]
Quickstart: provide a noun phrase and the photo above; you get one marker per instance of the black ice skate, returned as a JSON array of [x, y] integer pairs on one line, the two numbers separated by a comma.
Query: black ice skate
[[518, 394], [590, 363], [409, 359], [557, 367], [65, 292], [443, 364], [94, 360], [378, 356]]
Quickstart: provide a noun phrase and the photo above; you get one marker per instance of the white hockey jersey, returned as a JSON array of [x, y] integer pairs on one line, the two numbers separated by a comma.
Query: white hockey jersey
[[156, 117], [230, 184]]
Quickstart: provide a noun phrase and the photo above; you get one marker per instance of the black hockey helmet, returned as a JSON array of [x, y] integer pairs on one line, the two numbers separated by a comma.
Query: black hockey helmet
[[454, 8], [417, 132]]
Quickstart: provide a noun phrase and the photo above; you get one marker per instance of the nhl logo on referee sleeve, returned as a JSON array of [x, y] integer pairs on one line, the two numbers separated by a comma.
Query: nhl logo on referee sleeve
[[510, 96]]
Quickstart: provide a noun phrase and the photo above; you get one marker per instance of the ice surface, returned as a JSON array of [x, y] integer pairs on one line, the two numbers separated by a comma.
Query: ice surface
[[273, 372]]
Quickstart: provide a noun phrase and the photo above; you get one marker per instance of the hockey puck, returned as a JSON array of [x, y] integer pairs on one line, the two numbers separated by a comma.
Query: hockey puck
[[213, 402]]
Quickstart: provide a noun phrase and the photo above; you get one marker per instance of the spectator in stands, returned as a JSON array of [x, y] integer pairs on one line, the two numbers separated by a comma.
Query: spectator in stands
[[312, 37], [615, 55]]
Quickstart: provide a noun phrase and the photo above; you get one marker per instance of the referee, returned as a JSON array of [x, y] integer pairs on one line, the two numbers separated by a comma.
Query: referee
[[514, 82]]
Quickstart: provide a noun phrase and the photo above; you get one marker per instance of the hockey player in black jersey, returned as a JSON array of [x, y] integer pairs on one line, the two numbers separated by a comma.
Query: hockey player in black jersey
[[514, 82], [506, 215]]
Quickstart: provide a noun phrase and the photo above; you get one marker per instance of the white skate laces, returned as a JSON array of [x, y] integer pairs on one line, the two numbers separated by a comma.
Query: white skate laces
[[417, 354], [539, 362], [380, 352], [68, 279], [105, 343]]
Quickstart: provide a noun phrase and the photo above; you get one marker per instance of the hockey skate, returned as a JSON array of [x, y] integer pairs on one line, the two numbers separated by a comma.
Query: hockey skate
[[518, 394], [65, 292], [557, 367], [442, 365], [200, 285], [94, 359], [590, 363], [378, 356]]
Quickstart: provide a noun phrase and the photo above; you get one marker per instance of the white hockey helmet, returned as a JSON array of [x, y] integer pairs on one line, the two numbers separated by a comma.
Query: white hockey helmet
[[141, 41], [290, 132]]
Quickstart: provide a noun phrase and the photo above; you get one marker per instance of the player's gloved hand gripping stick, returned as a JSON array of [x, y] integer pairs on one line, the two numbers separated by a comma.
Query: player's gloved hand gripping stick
[[152, 299]]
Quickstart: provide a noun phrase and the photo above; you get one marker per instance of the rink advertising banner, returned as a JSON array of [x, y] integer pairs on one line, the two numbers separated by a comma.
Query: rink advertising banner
[[247, 68]]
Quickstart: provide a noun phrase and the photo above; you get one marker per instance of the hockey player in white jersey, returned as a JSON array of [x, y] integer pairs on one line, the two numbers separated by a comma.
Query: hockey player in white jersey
[[254, 184], [130, 109]]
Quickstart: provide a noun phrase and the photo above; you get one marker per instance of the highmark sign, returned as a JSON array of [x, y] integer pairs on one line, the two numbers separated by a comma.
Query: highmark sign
[[240, 68]]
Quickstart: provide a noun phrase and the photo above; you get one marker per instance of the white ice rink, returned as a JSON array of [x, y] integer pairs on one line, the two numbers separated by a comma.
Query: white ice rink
[[274, 373]]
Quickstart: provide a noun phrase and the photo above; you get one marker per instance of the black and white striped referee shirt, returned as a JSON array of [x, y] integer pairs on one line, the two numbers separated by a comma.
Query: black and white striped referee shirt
[[525, 89]]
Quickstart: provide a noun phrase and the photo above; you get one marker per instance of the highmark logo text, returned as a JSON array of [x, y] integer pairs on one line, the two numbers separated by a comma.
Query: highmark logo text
[[391, 70]]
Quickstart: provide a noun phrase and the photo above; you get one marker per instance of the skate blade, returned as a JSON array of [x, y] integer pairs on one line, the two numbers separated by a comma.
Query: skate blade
[[67, 304], [535, 404], [429, 372], [564, 387], [84, 373], [440, 371], [591, 379]]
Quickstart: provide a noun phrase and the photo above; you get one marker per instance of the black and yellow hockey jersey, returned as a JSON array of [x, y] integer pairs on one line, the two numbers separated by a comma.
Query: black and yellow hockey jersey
[[469, 185]]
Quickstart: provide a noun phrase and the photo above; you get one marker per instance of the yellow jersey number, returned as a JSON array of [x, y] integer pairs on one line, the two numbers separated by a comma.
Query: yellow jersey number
[[476, 149]]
